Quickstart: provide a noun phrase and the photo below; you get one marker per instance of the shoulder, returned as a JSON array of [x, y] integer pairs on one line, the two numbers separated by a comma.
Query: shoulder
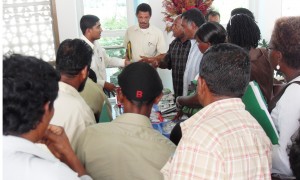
[[291, 94], [67, 100], [132, 28]]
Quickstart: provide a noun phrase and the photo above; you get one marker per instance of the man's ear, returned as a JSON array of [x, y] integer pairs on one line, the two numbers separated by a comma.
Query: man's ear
[[120, 95], [194, 26], [47, 112], [201, 86], [157, 99], [84, 72]]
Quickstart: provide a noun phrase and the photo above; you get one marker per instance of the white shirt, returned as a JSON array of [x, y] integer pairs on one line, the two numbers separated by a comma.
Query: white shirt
[[192, 66], [71, 112], [22, 159], [148, 42], [285, 116], [100, 61]]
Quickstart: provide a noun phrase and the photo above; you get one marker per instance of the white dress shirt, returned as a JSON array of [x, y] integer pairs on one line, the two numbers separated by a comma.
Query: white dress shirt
[[71, 112], [192, 66], [22, 159], [100, 61]]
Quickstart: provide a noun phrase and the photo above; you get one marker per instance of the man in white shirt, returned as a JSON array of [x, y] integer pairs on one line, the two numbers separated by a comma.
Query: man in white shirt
[[91, 30], [146, 41], [73, 61], [30, 88], [191, 21]]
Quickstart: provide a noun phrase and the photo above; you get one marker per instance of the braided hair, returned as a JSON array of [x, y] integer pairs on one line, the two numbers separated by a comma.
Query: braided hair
[[242, 30]]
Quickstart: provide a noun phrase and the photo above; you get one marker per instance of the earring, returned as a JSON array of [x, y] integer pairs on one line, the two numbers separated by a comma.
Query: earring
[[277, 67]]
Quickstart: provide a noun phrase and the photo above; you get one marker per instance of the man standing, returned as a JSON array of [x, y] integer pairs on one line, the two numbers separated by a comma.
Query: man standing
[[145, 40], [177, 56], [191, 21], [128, 147], [222, 140], [91, 30], [73, 61]]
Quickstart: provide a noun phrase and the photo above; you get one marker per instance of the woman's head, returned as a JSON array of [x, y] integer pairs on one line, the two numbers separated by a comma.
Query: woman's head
[[208, 34], [243, 31], [285, 42]]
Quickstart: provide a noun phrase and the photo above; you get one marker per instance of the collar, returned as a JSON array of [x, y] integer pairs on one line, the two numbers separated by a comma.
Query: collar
[[66, 88], [17, 144], [133, 119], [148, 30], [214, 109], [185, 42], [88, 42]]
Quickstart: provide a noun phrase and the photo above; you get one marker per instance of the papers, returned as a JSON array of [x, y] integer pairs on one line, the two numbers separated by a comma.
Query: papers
[[255, 104]]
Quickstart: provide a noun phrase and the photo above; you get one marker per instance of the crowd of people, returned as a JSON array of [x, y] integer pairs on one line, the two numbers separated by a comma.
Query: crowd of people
[[60, 106]]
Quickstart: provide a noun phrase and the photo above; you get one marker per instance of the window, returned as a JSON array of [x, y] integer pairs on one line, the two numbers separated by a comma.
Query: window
[[28, 28], [113, 19], [225, 7]]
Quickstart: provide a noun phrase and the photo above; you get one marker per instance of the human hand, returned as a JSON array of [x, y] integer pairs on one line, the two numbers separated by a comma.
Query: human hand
[[127, 62], [109, 86], [178, 115], [57, 142], [153, 61]]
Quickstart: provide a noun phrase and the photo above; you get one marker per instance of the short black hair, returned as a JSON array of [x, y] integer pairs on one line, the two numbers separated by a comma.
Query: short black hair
[[144, 7], [243, 31], [140, 83], [72, 56], [28, 84], [212, 13], [88, 21], [294, 154], [226, 69], [242, 11], [211, 32], [285, 38], [194, 15]]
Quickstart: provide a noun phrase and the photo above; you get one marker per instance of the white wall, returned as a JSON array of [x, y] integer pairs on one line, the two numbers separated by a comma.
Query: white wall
[[266, 12], [69, 13]]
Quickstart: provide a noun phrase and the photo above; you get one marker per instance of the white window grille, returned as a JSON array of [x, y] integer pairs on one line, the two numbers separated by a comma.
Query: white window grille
[[28, 28]]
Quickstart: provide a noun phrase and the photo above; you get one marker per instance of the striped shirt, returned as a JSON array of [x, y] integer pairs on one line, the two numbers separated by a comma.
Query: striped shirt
[[176, 59], [221, 141]]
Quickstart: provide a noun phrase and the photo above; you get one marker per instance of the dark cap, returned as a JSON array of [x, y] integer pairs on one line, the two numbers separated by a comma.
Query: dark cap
[[140, 82]]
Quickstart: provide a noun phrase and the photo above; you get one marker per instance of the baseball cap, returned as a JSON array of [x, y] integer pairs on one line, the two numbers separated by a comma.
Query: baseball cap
[[140, 82]]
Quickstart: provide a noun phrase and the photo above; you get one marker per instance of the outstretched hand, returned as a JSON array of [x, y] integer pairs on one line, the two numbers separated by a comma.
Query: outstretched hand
[[153, 61]]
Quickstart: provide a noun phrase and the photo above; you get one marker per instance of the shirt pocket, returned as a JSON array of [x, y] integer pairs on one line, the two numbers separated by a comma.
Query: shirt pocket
[[150, 47]]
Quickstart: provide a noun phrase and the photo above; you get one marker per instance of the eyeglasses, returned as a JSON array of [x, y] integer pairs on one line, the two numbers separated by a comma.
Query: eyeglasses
[[269, 48]]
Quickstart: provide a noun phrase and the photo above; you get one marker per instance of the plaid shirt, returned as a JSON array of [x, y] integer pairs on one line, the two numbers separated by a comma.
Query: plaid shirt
[[176, 59], [221, 141]]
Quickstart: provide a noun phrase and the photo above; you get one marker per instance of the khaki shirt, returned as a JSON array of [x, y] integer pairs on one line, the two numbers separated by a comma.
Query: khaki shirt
[[95, 97], [126, 148]]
